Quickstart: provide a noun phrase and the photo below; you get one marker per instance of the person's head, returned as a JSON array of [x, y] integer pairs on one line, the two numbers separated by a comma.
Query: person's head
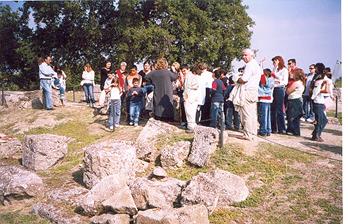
[[298, 74], [248, 55], [133, 70], [108, 64], [123, 66], [278, 62], [135, 82], [292, 63], [223, 73], [319, 68], [110, 75], [202, 66], [185, 69], [114, 81], [147, 66], [327, 72], [161, 64], [40, 60], [197, 69], [88, 67], [267, 72], [176, 67], [48, 59], [217, 74], [312, 68]]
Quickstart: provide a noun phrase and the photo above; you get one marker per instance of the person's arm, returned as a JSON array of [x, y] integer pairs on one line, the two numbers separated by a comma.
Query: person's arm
[[47, 70], [291, 88]]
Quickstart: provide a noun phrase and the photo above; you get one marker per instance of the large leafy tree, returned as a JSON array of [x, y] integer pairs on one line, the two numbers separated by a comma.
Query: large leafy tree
[[79, 32]]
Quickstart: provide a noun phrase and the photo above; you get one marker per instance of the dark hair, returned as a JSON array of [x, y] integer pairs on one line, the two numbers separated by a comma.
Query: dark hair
[[267, 71], [223, 71], [185, 66], [217, 73], [319, 67], [292, 60], [115, 81], [134, 67], [135, 80]]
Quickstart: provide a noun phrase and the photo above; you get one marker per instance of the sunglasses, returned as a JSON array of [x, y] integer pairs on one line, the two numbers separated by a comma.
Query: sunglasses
[[311, 68], [289, 63]]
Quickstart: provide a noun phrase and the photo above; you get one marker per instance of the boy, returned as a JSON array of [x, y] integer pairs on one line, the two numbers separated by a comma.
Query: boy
[[135, 95], [217, 98]]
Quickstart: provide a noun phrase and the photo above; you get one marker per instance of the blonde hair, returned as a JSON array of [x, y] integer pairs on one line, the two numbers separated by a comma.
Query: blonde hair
[[176, 65], [161, 64], [88, 67]]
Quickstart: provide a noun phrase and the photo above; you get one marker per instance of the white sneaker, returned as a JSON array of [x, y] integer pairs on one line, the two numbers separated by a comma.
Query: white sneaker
[[136, 124], [310, 120], [303, 119], [131, 123]]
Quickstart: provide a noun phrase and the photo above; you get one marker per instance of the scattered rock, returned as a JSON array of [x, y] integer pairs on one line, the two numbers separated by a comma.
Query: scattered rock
[[9, 147], [204, 144], [41, 152], [68, 196], [108, 158], [23, 99], [175, 155], [141, 166], [146, 140], [54, 214], [217, 188], [111, 219], [156, 194], [111, 194], [159, 172], [194, 214], [17, 183]]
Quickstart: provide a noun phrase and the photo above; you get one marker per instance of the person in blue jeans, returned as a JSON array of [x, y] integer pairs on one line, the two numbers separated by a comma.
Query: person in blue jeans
[[217, 98], [231, 115], [45, 74], [265, 91], [135, 95]]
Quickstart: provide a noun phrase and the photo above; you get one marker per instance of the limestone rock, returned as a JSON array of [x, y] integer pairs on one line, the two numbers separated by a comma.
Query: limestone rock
[[111, 219], [217, 188], [68, 196], [41, 152], [110, 194], [9, 147], [159, 172], [17, 183], [175, 155], [204, 144], [194, 214], [146, 140], [108, 158], [54, 214], [156, 193]]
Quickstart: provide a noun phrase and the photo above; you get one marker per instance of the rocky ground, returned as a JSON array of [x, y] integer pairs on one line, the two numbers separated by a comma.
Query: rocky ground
[[277, 179]]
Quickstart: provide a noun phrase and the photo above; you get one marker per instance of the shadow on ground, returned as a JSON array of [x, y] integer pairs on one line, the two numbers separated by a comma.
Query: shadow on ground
[[324, 147]]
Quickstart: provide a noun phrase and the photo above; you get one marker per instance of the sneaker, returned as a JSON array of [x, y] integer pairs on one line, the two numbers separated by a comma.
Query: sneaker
[[111, 127], [303, 119], [131, 123], [136, 124], [310, 120]]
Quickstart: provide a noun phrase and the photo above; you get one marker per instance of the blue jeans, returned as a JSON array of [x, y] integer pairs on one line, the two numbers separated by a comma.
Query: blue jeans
[[264, 110], [115, 112], [320, 118], [277, 113], [293, 115], [232, 116], [134, 112], [216, 109], [88, 89], [46, 86], [307, 107]]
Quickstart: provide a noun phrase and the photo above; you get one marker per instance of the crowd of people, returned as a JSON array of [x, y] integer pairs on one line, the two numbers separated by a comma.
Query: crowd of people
[[257, 101]]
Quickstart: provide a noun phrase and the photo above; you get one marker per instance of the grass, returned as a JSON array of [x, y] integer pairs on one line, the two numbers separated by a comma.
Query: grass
[[18, 218], [333, 113], [165, 139], [223, 216]]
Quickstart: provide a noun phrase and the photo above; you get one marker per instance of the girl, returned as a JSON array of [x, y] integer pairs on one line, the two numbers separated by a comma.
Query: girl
[[115, 104], [87, 84]]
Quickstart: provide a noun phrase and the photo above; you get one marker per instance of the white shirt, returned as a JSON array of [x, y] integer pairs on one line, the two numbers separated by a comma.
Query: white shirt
[[317, 96], [115, 93], [205, 81], [88, 77], [252, 74], [46, 71], [297, 93], [192, 88], [281, 77]]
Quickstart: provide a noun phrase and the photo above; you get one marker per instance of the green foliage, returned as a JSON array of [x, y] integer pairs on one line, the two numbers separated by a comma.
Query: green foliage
[[223, 216], [80, 32]]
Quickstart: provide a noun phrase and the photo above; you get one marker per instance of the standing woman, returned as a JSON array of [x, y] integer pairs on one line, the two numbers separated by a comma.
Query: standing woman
[[162, 80], [281, 76], [87, 84], [294, 108], [104, 74]]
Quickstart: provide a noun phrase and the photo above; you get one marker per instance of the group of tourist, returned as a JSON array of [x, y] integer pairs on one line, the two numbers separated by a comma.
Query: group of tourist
[[255, 100]]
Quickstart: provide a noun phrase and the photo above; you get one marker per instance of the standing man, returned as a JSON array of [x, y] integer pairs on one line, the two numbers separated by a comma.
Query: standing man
[[104, 74], [45, 73], [307, 102], [249, 82]]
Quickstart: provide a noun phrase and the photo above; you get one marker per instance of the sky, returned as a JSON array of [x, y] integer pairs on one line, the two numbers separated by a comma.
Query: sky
[[307, 30]]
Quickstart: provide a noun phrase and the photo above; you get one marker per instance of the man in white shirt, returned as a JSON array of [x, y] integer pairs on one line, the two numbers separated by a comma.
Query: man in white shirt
[[205, 84], [45, 73], [249, 81]]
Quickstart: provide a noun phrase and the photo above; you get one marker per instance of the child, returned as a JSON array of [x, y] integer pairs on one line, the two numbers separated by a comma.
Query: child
[[115, 104], [135, 96], [106, 90], [60, 84], [232, 116], [217, 98], [265, 92]]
